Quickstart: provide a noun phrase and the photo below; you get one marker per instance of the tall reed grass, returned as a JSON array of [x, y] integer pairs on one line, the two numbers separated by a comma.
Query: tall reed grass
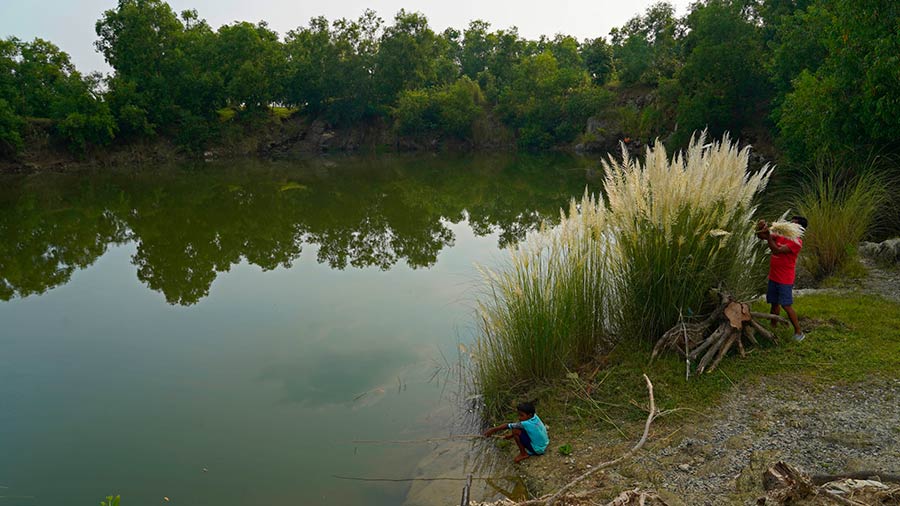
[[624, 268], [666, 214], [546, 307], [842, 209]]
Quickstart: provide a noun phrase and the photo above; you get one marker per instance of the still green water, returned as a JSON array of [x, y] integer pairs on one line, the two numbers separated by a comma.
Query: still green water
[[220, 334]]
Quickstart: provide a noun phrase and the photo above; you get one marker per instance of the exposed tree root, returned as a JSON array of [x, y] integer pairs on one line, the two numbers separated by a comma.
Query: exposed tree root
[[710, 340]]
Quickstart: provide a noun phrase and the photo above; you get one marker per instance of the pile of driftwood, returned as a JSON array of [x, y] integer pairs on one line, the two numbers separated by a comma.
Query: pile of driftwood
[[727, 327], [785, 484]]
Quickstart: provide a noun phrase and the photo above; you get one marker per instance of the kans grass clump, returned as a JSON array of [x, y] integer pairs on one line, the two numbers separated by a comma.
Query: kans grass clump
[[547, 307], [841, 209], [627, 268]]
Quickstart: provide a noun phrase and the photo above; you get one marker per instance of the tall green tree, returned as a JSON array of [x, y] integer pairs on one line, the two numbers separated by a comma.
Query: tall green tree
[[50, 87], [252, 62], [140, 40], [11, 122], [548, 103], [406, 56], [646, 48], [852, 99], [723, 81], [330, 67], [597, 56]]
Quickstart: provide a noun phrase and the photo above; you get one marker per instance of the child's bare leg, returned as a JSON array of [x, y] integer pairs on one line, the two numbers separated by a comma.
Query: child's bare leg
[[794, 320], [523, 453], [776, 310]]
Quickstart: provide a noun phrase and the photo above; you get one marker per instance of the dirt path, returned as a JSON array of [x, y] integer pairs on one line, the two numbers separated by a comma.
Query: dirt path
[[882, 281], [835, 430]]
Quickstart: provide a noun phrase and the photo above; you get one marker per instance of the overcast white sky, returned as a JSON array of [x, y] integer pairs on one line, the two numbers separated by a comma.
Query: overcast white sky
[[70, 23]]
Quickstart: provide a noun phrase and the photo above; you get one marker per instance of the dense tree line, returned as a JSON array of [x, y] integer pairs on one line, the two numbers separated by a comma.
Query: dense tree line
[[812, 74]]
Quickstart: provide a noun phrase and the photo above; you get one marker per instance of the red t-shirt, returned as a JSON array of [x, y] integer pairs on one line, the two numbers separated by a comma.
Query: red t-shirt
[[782, 266]]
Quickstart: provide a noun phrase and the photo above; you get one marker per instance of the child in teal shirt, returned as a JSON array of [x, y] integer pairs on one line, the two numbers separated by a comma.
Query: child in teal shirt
[[529, 432]]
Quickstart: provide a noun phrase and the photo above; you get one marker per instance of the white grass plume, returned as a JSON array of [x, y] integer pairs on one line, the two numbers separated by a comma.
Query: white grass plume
[[787, 229]]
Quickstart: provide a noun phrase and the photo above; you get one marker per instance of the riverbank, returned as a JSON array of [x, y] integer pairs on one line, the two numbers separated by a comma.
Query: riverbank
[[275, 136], [826, 405]]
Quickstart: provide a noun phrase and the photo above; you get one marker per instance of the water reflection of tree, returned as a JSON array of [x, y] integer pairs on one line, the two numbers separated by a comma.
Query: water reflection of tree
[[47, 232], [188, 226]]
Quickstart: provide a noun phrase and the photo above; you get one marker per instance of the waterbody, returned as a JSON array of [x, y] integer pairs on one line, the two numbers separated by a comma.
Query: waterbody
[[222, 334]]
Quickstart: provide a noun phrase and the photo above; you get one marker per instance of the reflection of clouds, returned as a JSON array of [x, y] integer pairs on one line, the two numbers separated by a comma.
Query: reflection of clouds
[[331, 377]]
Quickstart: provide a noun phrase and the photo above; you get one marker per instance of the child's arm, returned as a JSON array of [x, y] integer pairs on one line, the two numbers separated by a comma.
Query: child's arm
[[493, 430]]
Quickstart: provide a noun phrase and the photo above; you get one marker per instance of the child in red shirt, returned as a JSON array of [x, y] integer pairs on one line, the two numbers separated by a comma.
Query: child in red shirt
[[782, 271]]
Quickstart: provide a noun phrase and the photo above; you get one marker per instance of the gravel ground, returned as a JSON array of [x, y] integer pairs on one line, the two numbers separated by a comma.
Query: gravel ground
[[882, 281], [720, 460], [835, 430]]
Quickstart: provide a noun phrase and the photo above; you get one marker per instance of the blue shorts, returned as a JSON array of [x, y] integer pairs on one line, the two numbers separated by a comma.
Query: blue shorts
[[525, 439], [780, 294]]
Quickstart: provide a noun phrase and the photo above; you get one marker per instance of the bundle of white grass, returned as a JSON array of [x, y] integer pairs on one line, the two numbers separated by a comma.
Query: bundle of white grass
[[786, 229]]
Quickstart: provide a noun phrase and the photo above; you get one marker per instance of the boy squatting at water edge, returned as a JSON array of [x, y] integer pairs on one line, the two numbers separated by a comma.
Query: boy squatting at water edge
[[529, 432]]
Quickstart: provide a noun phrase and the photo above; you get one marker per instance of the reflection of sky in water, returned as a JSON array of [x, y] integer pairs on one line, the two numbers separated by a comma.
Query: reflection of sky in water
[[107, 388], [331, 377]]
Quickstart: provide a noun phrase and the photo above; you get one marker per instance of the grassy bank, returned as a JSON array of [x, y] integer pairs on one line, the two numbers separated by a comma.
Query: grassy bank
[[851, 338]]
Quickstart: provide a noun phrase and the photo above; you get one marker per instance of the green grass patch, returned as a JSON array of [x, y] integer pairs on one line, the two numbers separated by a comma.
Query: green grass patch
[[283, 112], [226, 114], [850, 339], [851, 274]]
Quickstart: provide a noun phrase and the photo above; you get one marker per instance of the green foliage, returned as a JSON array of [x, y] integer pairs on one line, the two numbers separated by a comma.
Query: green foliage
[[646, 47], [824, 73], [252, 64], [10, 129], [598, 59], [451, 109], [850, 99], [549, 101], [317, 54], [842, 208], [406, 57], [165, 67], [111, 501], [565, 449], [722, 80], [39, 81]]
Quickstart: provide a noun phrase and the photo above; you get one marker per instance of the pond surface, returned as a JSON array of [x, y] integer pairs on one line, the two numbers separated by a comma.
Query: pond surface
[[221, 334]]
